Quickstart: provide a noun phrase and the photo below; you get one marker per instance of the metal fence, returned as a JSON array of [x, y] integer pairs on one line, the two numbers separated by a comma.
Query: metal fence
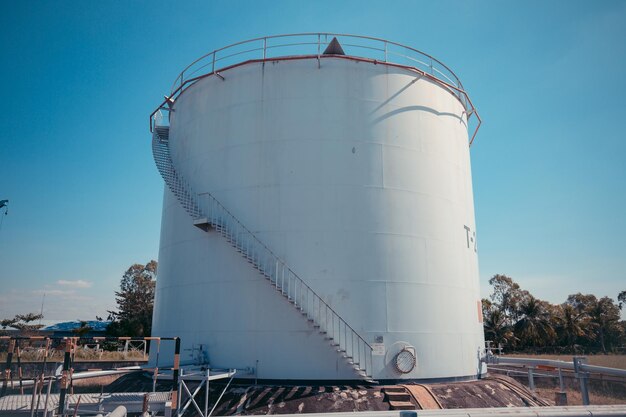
[[45, 346], [535, 367]]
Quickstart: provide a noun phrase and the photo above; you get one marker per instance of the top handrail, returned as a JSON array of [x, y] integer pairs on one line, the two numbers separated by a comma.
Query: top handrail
[[318, 34], [377, 48]]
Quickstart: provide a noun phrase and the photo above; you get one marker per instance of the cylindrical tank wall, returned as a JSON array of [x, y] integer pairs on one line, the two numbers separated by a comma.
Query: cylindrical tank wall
[[358, 175]]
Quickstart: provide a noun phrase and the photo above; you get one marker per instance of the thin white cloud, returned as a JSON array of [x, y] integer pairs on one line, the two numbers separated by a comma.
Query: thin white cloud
[[59, 305], [79, 283], [50, 292]]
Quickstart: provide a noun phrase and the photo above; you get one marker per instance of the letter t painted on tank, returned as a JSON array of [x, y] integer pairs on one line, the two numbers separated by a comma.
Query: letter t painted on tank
[[470, 236]]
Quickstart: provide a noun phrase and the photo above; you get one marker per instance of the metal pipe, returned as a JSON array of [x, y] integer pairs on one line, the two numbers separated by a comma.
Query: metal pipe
[[552, 411], [144, 405], [603, 370], [7, 367], [501, 360], [32, 399], [45, 405], [191, 399], [319, 44], [221, 395], [43, 370], [76, 407], [93, 374], [19, 367], [64, 378], [582, 377], [264, 47], [531, 380], [156, 366], [120, 411], [206, 393], [175, 375]]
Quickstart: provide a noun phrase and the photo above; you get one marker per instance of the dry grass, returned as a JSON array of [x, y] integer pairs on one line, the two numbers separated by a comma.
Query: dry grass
[[80, 356], [574, 397], [612, 361], [600, 392]]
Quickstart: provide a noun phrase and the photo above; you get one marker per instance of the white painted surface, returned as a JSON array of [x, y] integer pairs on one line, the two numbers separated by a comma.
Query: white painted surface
[[358, 175]]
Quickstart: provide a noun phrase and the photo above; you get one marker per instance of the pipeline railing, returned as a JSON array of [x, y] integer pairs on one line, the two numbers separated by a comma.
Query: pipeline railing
[[312, 45], [67, 374], [581, 370]]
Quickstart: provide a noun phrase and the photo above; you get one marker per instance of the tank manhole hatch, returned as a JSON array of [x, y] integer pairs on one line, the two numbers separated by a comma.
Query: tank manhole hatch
[[405, 360]]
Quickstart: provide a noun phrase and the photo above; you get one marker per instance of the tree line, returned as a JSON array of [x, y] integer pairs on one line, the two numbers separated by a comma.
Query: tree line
[[584, 323], [133, 316], [512, 317], [135, 302]]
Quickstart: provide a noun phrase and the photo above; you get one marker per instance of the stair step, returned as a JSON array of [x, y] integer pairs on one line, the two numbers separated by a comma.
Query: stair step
[[398, 396], [202, 224], [393, 389], [401, 405]]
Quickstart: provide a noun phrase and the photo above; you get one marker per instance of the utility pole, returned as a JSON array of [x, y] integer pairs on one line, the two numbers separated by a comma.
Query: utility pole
[[4, 204]]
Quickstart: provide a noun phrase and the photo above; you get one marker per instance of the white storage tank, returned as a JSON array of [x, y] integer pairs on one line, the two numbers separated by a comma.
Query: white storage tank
[[318, 218]]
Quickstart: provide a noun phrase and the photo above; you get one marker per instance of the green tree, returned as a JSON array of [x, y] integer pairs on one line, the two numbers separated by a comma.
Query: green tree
[[135, 301], [604, 316], [534, 328], [581, 302], [23, 322], [572, 324], [507, 296], [621, 298], [513, 316], [496, 328]]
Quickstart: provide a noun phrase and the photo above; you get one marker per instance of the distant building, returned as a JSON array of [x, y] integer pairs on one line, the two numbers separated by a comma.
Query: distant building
[[68, 328]]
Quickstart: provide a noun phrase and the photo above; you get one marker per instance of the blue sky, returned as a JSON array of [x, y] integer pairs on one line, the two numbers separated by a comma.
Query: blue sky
[[80, 78]]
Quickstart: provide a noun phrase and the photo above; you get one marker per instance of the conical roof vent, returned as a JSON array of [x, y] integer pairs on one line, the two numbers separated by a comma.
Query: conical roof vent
[[334, 48]]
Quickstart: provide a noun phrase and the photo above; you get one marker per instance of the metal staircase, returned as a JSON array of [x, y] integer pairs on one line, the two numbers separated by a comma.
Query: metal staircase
[[209, 213]]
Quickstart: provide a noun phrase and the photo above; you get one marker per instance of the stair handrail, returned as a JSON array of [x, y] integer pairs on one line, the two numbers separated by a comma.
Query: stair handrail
[[226, 230]]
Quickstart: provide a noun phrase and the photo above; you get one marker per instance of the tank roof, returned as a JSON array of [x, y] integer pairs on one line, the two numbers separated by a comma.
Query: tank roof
[[320, 46]]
